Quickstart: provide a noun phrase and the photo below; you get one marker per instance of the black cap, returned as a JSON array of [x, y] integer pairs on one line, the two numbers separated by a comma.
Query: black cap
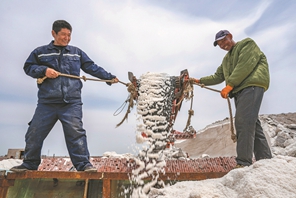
[[220, 35]]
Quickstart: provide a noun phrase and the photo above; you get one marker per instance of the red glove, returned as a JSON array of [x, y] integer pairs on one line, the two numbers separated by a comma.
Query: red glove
[[225, 91], [196, 80]]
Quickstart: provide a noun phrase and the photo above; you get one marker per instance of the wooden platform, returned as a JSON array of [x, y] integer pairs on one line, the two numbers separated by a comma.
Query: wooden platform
[[53, 178]]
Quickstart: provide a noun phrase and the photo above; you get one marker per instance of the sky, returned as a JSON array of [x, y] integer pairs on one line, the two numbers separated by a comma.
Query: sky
[[139, 36]]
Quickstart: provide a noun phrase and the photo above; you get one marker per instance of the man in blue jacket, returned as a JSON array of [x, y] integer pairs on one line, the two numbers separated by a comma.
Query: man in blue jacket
[[59, 98]]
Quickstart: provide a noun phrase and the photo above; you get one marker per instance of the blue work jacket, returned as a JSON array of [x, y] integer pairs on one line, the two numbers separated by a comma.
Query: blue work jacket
[[67, 60]]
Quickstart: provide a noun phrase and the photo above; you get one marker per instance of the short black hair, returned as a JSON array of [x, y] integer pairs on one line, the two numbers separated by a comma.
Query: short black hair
[[59, 24]]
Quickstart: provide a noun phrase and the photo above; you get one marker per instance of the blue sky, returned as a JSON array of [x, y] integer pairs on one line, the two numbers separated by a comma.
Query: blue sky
[[140, 36]]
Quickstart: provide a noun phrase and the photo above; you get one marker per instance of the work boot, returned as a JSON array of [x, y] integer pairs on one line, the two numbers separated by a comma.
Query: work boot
[[90, 169], [19, 168]]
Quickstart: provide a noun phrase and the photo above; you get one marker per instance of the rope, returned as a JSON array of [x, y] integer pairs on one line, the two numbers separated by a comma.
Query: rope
[[233, 136], [188, 93], [120, 109], [190, 114], [133, 94], [130, 89], [40, 80]]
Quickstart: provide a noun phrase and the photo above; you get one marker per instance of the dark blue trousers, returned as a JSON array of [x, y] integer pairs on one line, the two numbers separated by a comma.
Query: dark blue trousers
[[250, 136], [45, 117]]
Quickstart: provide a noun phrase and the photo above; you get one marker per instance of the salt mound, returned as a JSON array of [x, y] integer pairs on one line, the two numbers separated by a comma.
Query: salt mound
[[274, 177], [9, 163]]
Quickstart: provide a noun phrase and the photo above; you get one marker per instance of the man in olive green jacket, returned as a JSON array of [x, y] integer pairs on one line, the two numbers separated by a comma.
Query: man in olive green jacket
[[245, 71]]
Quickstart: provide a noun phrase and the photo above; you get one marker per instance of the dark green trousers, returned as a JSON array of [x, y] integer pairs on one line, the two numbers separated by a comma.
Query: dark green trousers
[[250, 136]]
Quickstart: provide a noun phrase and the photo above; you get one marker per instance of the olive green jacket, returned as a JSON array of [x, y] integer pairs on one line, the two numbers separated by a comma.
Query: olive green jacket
[[243, 66]]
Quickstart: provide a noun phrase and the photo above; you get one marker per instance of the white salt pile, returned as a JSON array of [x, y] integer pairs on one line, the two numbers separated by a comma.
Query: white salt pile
[[8, 163], [273, 178], [113, 154]]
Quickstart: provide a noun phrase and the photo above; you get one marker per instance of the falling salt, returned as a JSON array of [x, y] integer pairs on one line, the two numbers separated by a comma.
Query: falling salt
[[153, 122]]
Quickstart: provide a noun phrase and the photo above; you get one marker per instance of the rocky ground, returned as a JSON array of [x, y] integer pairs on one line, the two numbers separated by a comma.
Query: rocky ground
[[274, 177], [215, 139]]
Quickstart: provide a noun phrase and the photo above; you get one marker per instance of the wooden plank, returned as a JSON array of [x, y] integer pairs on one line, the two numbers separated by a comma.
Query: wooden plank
[[67, 175], [3, 191], [85, 188], [110, 176], [6, 182], [106, 188]]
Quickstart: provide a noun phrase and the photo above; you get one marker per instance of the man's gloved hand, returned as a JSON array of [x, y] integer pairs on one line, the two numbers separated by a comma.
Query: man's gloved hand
[[225, 91], [195, 80]]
